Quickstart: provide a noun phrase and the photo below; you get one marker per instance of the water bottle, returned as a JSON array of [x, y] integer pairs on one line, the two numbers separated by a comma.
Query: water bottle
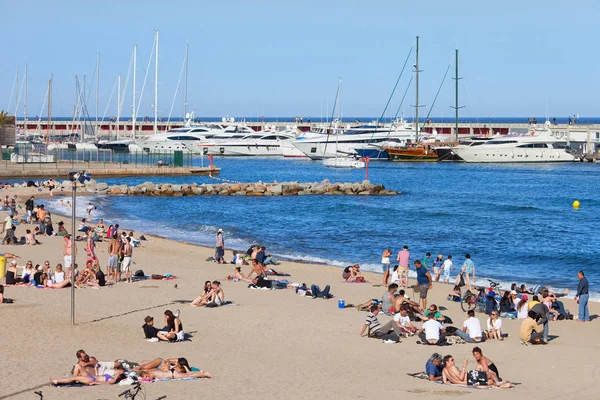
[[341, 304]]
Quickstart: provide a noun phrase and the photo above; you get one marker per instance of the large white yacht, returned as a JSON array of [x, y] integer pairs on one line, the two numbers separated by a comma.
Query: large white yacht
[[264, 143], [322, 146], [529, 148]]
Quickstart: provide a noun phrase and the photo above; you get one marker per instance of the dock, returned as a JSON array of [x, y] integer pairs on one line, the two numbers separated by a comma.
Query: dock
[[97, 170]]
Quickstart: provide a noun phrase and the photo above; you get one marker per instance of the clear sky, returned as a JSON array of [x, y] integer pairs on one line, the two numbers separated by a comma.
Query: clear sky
[[282, 58]]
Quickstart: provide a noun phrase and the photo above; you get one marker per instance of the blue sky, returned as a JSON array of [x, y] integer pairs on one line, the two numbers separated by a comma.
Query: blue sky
[[282, 58]]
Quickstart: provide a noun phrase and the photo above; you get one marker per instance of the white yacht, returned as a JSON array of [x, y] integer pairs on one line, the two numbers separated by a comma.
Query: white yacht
[[324, 146], [530, 148], [264, 143]]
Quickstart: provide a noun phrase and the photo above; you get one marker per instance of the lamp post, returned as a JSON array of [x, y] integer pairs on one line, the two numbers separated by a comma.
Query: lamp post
[[75, 176]]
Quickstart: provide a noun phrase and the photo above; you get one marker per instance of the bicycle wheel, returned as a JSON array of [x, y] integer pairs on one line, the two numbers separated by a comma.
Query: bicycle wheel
[[468, 302]]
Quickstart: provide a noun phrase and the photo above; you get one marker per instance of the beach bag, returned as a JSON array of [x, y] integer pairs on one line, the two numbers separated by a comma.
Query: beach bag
[[460, 281], [360, 279], [477, 378]]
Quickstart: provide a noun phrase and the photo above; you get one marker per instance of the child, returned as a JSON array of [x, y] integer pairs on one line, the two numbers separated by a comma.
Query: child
[[456, 295]]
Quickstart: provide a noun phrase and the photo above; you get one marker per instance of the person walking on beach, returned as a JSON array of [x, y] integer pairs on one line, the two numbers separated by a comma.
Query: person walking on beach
[[468, 269], [51, 186], [437, 267], [403, 260], [447, 269], [385, 265], [220, 248], [582, 298], [112, 266], [29, 208], [89, 209], [424, 282]]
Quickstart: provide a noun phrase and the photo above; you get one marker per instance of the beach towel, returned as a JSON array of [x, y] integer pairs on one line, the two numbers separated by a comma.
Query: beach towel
[[424, 376]]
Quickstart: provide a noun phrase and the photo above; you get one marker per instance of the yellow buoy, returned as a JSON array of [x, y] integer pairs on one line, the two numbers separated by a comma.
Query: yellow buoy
[[576, 204]]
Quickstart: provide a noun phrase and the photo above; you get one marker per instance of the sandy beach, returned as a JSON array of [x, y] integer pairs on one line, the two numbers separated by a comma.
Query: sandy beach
[[269, 344]]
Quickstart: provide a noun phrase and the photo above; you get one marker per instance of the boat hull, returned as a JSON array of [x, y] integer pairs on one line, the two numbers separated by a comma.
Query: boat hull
[[479, 154]]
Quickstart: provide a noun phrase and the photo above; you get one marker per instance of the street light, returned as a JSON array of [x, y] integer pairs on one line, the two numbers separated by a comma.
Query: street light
[[74, 176]]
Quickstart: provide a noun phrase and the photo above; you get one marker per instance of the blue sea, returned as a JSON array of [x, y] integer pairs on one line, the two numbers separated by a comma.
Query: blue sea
[[516, 221]]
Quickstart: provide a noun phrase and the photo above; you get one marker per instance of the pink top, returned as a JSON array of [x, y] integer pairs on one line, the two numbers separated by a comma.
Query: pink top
[[403, 257]]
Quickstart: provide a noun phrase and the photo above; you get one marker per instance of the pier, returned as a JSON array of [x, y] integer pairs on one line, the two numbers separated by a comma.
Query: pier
[[10, 170]]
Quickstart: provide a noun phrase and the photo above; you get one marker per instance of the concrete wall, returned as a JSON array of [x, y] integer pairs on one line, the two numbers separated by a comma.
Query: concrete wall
[[8, 135]]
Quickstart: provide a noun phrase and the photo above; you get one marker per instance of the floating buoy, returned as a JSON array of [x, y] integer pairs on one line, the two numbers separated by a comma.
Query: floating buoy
[[576, 204]]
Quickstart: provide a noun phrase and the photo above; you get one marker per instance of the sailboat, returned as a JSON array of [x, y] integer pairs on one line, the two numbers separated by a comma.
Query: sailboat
[[342, 159]]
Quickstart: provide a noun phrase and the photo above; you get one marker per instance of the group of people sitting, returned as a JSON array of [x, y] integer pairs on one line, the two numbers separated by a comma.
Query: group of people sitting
[[43, 276], [256, 256], [444, 370], [90, 371]]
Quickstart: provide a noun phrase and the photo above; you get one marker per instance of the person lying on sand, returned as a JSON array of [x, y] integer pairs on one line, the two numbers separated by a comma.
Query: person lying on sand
[[367, 305], [237, 275], [156, 374], [87, 365], [179, 364], [92, 379]]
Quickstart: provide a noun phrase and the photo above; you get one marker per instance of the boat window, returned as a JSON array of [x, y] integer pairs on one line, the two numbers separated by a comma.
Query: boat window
[[560, 145], [272, 137], [502, 142], [189, 138], [199, 130]]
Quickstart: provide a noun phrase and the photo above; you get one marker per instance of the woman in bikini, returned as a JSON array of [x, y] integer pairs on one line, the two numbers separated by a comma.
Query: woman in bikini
[[91, 379], [485, 364], [178, 364], [174, 374]]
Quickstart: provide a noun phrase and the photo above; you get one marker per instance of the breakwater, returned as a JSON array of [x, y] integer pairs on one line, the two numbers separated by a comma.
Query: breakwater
[[325, 187]]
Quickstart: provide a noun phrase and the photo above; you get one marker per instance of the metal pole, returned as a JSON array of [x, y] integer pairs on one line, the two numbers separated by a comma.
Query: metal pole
[[186, 83], [417, 92], [156, 87], [456, 105], [73, 205]]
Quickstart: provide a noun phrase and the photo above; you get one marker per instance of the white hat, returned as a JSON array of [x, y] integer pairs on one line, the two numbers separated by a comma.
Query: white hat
[[13, 262], [220, 230]]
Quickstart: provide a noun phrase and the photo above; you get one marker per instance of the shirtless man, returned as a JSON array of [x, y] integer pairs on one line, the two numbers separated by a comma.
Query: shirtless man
[[127, 252], [87, 365], [451, 374], [112, 266], [67, 251], [400, 300]]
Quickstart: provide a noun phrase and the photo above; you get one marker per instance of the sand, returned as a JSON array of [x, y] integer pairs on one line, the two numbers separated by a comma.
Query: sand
[[271, 344]]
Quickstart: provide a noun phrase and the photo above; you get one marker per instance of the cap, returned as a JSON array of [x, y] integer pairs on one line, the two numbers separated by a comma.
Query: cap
[[148, 319], [513, 292], [524, 297]]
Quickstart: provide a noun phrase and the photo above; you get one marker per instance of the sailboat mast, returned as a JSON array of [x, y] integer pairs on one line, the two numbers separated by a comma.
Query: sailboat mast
[[25, 104], [83, 108], [156, 87], [97, 85], [417, 92], [185, 88], [118, 103], [134, 99], [49, 108], [17, 93], [456, 106]]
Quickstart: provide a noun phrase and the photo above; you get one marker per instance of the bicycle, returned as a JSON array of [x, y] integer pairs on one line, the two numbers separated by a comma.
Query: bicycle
[[137, 387], [470, 301]]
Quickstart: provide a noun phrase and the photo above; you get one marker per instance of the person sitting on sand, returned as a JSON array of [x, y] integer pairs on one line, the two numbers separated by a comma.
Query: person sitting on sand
[[30, 238], [485, 364], [175, 331], [494, 326], [451, 374], [522, 306], [374, 327], [456, 294], [367, 305], [507, 306], [83, 226], [216, 296], [90, 365], [11, 274], [433, 367], [316, 292], [401, 300], [530, 331], [237, 275], [432, 332], [352, 274], [437, 315], [47, 280], [403, 324], [150, 331], [387, 300], [471, 331]]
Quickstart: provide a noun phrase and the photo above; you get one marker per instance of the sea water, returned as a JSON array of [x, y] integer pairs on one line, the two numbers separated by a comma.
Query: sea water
[[516, 221]]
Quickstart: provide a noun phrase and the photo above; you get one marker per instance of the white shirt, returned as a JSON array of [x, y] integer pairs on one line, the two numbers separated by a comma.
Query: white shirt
[[432, 329], [447, 265], [385, 260], [404, 321], [473, 327], [395, 277], [497, 324]]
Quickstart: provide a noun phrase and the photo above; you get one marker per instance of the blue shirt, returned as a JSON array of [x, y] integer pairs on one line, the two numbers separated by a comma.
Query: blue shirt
[[422, 279], [425, 262], [432, 369], [582, 287], [469, 264]]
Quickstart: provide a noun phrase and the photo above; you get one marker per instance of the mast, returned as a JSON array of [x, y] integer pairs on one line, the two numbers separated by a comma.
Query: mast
[[49, 108], [25, 104], [186, 82], [417, 92], [456, 106], [17, 93], [134, 68], [97, 86], [118, 103], [156, 87], [82, 119]]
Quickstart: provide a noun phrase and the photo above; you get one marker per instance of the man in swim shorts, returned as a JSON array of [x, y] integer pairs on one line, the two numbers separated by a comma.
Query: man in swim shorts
[[112, 266], [127, 252]]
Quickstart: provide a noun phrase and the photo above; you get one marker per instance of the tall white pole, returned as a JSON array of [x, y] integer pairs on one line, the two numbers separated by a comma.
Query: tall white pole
[[156, 87], [17, 93], [133, 117], [118, 103], [25, 104], [83, 113], [186, 82], [97, 85]]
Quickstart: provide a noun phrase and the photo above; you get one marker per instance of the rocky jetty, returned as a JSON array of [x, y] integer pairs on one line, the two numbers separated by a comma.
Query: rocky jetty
[[325, 187]]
